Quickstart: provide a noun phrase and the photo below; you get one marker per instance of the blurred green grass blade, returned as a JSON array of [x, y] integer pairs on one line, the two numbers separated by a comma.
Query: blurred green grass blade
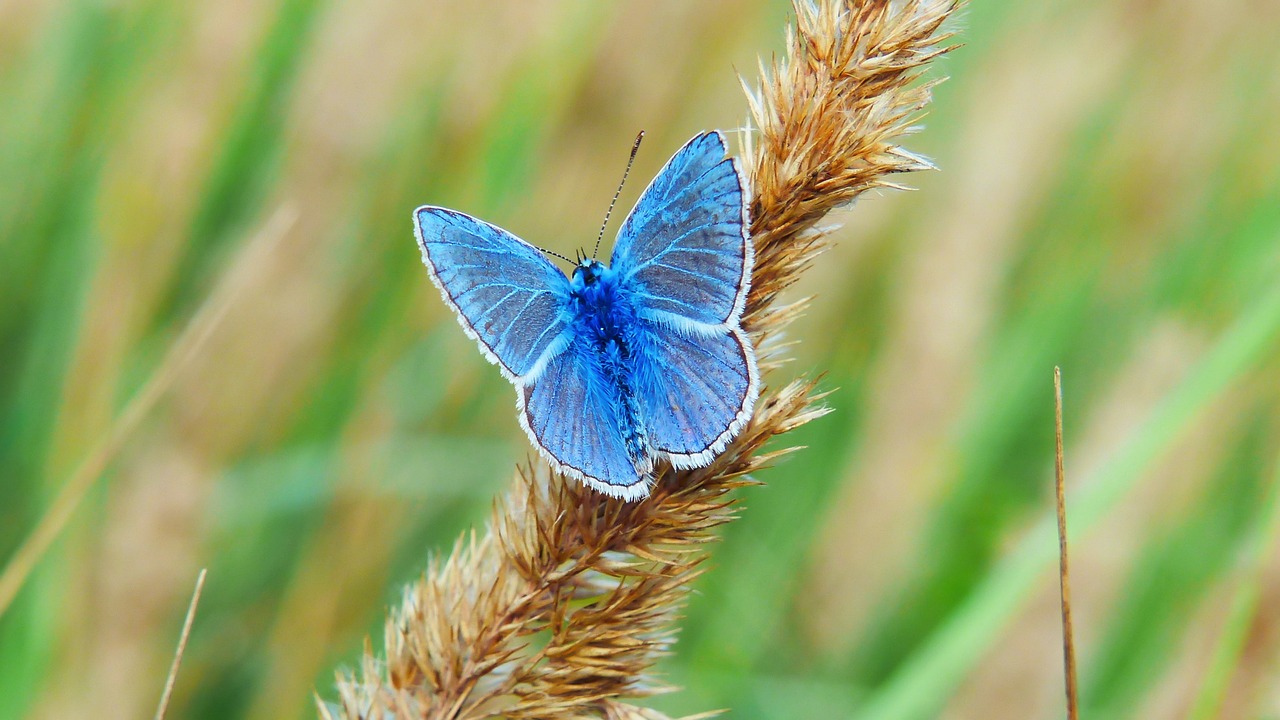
[[293, 482], [249, 154], [1258, 553], [49, 250], [51, 247], [51, 160], [1174, 573], [1002, 432], [537, 96], [930, 675]]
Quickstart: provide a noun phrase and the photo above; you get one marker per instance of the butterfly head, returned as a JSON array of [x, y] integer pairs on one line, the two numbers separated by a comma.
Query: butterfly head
[[588, 272]]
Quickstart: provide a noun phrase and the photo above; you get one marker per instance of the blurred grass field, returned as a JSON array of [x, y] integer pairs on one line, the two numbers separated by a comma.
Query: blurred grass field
[[1108, 201]]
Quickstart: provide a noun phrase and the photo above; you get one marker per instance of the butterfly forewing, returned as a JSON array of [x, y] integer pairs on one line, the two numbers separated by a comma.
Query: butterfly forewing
[[509, 297], [683, 251]]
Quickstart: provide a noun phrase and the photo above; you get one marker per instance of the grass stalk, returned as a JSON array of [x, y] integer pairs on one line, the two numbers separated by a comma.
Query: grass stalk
[[1064, 566], [942, 663], [564, 604], [1258, 551], [163, 708]]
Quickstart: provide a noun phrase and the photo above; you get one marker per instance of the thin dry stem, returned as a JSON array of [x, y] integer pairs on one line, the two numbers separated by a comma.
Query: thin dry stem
[[163, 708], [564, 605], [1064, 567]]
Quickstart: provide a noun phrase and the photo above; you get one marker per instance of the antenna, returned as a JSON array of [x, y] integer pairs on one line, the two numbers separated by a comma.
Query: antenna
[[634, 149], [553, 253]]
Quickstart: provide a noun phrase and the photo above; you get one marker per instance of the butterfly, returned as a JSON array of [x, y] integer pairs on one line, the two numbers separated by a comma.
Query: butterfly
[[620, 366]]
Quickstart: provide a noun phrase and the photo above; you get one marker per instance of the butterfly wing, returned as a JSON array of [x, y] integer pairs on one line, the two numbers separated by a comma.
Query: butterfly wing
[[684, 252], [570, 411], [508, 297], [697, 391], [685, 258]]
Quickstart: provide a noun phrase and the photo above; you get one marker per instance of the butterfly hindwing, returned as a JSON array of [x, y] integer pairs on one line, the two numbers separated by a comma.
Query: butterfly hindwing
[[508, 297], [571, 413], [698, 391], [683, 252]]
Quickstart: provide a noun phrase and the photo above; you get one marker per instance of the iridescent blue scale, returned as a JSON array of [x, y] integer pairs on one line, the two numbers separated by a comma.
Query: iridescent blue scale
[[620, 366]]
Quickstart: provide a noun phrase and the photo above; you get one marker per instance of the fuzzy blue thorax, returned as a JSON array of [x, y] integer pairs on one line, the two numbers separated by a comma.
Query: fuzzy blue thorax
[[604, 315], [600, 310]]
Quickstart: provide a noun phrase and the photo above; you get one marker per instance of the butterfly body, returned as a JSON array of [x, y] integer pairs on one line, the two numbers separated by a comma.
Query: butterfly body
[[611, 336], [617, 366]]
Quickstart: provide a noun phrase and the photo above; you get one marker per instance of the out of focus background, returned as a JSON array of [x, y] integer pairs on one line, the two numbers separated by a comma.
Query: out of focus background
[[1108, 201]]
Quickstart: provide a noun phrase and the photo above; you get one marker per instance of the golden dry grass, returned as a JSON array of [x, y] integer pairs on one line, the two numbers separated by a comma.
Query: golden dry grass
[[564, 604]]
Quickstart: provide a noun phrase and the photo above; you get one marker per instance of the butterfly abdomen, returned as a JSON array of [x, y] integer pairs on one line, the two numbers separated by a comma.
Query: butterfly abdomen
[[627, 406]]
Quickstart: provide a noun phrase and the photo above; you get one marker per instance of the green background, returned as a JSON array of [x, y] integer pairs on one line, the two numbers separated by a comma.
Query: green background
[[1108, 201]]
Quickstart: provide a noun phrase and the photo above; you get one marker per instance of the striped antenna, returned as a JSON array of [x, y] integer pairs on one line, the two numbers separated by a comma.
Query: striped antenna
[[634, 148], [553, 253]]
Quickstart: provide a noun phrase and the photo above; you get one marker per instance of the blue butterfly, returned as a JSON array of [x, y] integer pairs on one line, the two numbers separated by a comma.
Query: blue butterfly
[[627, 364]]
